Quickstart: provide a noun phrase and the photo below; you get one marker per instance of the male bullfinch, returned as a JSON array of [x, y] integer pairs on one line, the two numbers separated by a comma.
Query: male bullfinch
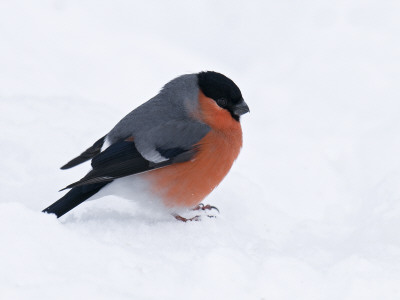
[[180, 144]]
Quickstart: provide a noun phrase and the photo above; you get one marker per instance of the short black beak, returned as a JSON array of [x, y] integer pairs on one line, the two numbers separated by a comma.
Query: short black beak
[[241, 108]]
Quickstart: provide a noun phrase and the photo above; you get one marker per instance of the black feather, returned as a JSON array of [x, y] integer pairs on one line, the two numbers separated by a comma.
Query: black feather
[[73, 198], [117, 152], [170, 153], [86, 155]]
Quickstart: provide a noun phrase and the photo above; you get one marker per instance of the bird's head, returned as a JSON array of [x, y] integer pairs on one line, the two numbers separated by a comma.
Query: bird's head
[[224, 92]]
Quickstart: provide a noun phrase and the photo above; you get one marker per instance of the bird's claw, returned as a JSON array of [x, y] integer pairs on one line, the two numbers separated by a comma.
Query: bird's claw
[[201, 206]]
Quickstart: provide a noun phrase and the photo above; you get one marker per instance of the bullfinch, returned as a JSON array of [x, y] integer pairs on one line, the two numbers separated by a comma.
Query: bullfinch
[[180, 144]]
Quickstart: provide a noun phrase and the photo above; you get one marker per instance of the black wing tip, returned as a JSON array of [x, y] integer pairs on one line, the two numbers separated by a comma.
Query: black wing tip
[[86, 155], [85, 182], [72, 185], [67, 166], [76, 161]]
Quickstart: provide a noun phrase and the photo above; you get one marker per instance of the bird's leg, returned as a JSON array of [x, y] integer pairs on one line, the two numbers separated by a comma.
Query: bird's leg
[[201, 206], [179, 218]]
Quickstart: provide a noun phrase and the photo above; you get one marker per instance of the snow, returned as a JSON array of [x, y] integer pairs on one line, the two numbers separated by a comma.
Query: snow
[[310, 210]]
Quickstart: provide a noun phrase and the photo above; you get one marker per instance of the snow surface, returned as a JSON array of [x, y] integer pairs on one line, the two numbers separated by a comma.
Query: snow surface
[[311, 209]]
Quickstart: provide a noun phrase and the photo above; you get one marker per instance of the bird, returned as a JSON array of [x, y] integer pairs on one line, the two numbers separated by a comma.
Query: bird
[[180, 145]]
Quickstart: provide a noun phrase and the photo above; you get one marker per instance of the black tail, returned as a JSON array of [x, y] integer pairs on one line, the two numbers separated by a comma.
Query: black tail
[[73, 198]]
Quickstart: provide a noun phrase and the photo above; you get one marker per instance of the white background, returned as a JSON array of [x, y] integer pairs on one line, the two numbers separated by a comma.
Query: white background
[[310, 210]]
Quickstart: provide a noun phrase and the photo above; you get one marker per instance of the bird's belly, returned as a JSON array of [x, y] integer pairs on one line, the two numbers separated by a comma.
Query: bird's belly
[[133, 187], [187, 184]]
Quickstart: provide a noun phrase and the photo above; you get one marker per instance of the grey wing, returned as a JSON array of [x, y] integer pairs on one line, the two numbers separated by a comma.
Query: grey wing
[[154, 142]]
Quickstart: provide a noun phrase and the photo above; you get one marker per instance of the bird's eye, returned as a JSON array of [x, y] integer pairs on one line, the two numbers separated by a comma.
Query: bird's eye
[[222, 102]]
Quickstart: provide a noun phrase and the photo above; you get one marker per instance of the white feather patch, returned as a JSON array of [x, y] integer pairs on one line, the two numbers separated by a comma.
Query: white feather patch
[[153, 156], [106, 144]]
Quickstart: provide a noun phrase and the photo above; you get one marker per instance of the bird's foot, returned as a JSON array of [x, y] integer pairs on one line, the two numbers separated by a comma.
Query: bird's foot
[[201, 206], [179, 218], [195, 218]]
